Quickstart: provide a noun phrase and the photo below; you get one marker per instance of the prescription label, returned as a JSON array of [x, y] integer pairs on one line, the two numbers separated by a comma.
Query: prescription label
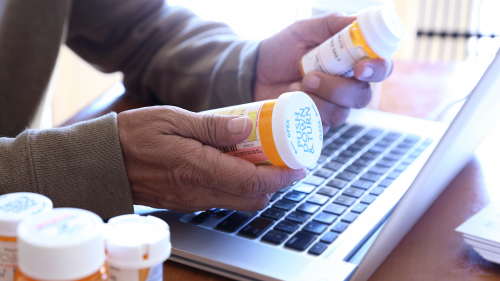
[[335, 56], [8, 260], [154, 273], [250, 149]]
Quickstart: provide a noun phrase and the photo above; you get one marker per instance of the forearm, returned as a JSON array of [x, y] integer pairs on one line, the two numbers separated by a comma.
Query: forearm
[[166, 53], [78, 166]]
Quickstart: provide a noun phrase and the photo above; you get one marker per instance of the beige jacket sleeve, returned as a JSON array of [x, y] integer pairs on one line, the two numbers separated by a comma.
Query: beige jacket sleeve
[[166, 54]]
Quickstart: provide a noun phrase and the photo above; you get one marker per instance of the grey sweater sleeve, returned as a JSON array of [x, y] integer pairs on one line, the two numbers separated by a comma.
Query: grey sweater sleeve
[[78, 166], [167, 54]]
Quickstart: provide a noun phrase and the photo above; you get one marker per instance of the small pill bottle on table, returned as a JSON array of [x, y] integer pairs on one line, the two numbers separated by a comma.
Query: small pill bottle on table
[[286, 132], [62, 244], [377, 33], [14, 207], [136, 248]]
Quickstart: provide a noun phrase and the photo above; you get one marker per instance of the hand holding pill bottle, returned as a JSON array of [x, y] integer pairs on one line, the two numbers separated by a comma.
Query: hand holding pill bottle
[[61, 244], [15, 207], [286, 132], [377, 34]]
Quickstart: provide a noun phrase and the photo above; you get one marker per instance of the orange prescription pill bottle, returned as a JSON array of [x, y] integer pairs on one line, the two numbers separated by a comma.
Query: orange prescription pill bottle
[[136, 248], [377, 33], [14, 207], [62, 244], [286, 132]]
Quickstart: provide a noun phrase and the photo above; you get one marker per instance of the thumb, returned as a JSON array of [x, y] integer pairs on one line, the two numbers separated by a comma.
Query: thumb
[[216, 130]]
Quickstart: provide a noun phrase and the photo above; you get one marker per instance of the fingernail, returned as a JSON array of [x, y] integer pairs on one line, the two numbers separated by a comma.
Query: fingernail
[[237, 125], [312, 82], [367, 72]]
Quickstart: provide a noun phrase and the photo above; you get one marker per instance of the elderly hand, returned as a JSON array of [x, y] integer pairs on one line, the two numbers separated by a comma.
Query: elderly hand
[[278, 69], [171, 161]]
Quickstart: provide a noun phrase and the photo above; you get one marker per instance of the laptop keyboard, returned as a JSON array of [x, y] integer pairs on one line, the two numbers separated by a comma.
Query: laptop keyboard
[[356, 165]]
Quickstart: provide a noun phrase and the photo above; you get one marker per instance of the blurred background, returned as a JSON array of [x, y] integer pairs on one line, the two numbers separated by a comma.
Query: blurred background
[[438, 30]]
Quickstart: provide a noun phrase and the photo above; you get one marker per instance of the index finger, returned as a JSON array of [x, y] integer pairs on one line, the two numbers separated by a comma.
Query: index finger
[[241, 177]]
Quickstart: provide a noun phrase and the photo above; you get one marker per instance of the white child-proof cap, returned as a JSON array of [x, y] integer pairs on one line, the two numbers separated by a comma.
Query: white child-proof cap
[[297, 130], [62, 244], [135, 242], [382, 29], [14, 207]]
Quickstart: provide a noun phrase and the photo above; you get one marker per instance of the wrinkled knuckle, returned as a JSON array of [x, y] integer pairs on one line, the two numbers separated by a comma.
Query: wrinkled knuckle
[[251, 186], [211, 127]]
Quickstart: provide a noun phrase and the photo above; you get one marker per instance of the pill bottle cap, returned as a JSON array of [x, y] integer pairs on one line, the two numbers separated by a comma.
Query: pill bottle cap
[[135, 242], [14, 207], [62, 244], [297, 130], [382, 29]]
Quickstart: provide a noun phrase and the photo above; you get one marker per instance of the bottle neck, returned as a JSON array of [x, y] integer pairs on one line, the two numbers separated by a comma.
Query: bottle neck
[[359, 41]]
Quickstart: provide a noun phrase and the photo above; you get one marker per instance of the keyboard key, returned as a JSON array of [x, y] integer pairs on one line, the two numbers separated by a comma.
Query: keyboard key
[[318, 248], [314, 180], [327, 151], [401, 167], [286, 188], [411, 139], [328, 191], [308, 208], [354, 192], [202, 217], [354, 130], [377, 191], [322, 159], [272, 213], [338, 183], [369, 155], [299, 217], [348, 176], [324, 173], [393, 155], [325, 217], [365, 140], [359, 208], [220, 213], [349, 217], [310, 168], [256, 227], [400, 150], [393, 175], [329, 237], [275, 197], [376, 149], [356, 146], [335, 209], [385, 182], [349, 153], [355, 168], [378, 170], [392, 136], [287, 226], [362, 184], [408, 160], [235, 221], [315, 227], [275, 237], [386, 162], [373, 133], [344, 200], [304, 187], [332, 165], [300, 241], [318, 199], [340, 227], [362, 162], [335, 145], [341, 159], [295, 196], [370, 177], [368, 199], [284, 205]]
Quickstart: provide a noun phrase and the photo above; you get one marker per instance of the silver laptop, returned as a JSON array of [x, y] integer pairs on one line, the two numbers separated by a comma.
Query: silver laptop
[[377, 175]]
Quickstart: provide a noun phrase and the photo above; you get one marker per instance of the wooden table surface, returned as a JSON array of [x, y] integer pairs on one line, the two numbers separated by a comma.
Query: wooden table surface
[[431, 250]]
